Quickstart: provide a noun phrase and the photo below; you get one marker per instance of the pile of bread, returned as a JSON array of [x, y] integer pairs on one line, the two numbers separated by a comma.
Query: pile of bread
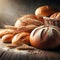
[[40, 30]]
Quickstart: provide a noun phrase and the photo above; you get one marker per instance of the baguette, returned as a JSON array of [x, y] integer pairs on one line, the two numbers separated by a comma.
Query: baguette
[[27, 28], [20, 38], [7, 31], [14, 30]]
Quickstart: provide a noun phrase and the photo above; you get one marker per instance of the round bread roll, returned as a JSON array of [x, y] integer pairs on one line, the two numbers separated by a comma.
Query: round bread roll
[[44, 11], [27, 21], [20, 38], [7, 38], [32, 16], [45, 37], [56, 16]]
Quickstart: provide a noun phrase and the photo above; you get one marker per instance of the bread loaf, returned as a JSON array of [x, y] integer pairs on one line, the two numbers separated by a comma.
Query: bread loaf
[[45, 37], [56, 16], [7, 31], [21, 38], [44, 11], [28, 21], [7, 38]]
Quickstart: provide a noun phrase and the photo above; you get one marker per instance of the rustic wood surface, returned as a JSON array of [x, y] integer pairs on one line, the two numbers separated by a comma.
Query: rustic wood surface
[[28, 53]]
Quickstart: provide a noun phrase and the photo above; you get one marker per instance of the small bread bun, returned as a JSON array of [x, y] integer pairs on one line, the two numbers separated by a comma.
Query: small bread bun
[[44, 11], [32, 16], [45, 37], [7, 38], [20, 38], [56, 17]]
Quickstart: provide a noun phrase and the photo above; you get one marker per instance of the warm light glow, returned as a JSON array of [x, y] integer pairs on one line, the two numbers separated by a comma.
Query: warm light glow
[[5, 48]]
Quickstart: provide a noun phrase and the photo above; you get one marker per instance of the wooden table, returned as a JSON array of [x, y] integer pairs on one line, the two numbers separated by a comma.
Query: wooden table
[[30, 54]]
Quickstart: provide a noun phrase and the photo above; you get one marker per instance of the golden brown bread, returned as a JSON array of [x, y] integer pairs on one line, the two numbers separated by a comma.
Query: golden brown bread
[[27, 21], [32, 16], [7, 31], [56, 16], [45, 37], [7, 38], [44, 11], [14, 30], [23, 37]]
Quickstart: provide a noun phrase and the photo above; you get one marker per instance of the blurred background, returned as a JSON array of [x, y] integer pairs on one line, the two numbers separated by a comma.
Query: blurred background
[[11, 10]]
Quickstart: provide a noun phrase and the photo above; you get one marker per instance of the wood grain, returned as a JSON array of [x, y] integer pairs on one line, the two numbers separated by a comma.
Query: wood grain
[[26, 52]]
